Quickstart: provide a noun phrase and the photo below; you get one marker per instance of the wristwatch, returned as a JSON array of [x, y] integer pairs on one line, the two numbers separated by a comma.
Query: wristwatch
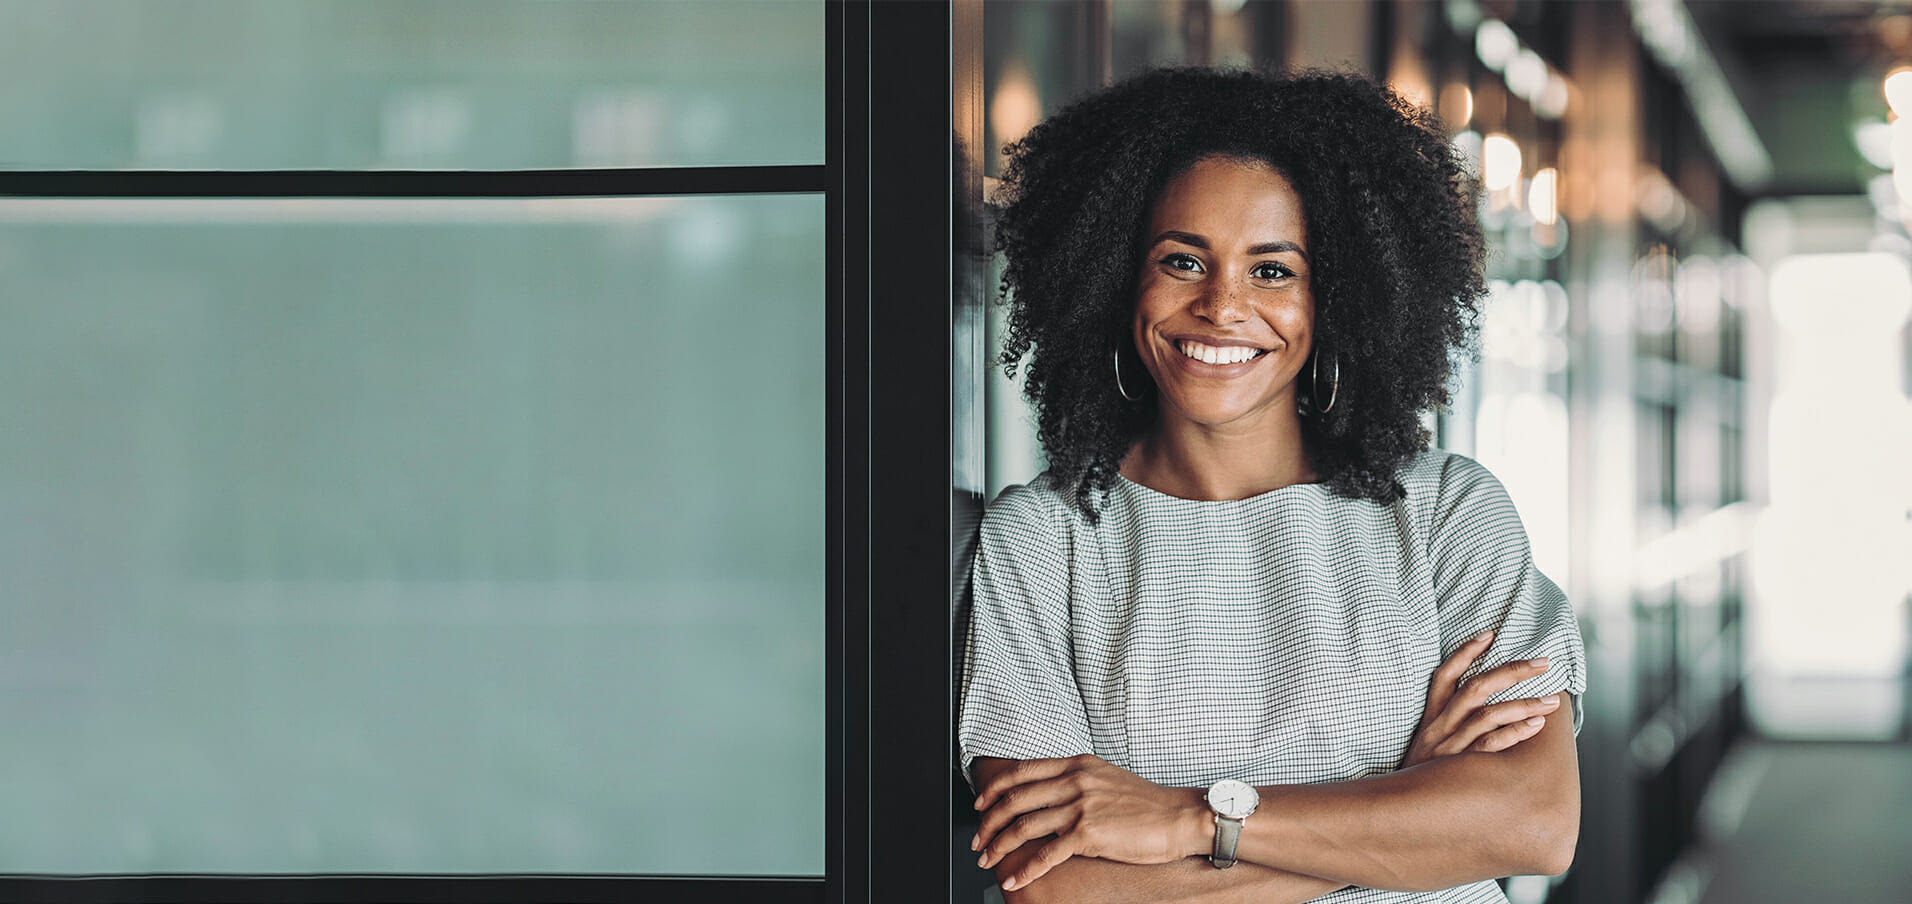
[[1232, 801]]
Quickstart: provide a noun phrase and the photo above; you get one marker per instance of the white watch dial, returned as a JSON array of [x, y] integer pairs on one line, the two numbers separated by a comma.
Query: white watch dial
[[1233, 799]]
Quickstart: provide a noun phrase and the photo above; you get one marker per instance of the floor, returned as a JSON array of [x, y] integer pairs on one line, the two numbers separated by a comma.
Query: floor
[[1796, 822]]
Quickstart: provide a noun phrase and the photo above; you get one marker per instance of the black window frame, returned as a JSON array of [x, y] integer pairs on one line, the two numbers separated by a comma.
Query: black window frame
[[886, 185]]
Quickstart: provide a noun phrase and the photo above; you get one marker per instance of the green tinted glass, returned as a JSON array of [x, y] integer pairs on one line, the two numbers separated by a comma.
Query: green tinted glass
[[412, 536], [409, 84]]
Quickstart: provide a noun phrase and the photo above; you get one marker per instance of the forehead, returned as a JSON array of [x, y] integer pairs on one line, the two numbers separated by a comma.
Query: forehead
[[1231, 196]]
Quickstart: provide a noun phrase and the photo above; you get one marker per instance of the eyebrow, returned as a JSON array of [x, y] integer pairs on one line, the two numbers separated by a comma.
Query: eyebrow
[[1189, 238]]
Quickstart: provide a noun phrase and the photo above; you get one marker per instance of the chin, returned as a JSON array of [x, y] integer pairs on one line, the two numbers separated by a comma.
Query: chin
[[1219, 412]]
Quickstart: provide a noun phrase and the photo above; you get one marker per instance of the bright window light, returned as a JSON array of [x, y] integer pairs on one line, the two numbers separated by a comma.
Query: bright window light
[[1500, 162], [1543, 196], [1495, 44], [1898, 90], [1527, 75], [1829, 571]]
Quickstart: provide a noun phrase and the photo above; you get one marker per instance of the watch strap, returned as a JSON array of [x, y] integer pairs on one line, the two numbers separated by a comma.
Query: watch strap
[[1227, 836]]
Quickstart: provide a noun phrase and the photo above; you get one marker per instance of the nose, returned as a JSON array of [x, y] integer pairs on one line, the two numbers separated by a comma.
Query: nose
[[1221, 303]]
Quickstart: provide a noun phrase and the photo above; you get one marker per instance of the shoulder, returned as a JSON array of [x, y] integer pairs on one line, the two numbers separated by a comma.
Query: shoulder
[[1443, 487], [1037, 507], [1031, 523], [1023, 551], [1440, 475]]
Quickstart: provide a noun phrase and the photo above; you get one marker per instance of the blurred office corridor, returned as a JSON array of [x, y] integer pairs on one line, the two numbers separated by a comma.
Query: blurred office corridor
[[1692, 378]]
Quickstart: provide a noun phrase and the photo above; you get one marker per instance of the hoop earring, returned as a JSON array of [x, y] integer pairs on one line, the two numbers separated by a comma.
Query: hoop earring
[[1334, 383], [1118, 378]]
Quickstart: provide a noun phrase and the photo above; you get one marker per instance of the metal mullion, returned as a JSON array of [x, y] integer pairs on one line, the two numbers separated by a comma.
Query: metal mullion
[[847, 838], [641, 182], [476, 889]]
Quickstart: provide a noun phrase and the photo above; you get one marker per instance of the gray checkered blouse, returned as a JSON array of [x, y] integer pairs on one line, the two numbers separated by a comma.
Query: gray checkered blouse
[[1287, 638]]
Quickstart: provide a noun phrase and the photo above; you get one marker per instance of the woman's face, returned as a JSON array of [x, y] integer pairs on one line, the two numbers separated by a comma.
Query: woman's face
[[1224, 313]]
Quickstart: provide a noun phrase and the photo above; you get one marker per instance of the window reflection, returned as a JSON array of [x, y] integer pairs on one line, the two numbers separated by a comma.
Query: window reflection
[[413, 536]]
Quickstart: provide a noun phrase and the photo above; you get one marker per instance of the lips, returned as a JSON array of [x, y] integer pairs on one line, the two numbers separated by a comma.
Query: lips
[[1218, 354]]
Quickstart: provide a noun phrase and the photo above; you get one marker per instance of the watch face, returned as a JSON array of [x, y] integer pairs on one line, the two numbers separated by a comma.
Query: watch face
[[1233, 799]]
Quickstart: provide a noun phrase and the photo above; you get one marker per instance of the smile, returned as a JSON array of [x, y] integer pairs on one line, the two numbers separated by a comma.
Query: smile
[[1223, 354]]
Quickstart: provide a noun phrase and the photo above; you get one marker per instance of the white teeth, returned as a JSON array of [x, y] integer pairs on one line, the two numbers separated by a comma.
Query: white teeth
[[1209, 354]]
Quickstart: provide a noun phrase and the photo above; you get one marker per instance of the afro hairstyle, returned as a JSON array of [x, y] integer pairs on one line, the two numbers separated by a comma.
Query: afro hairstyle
[[1395, 249]]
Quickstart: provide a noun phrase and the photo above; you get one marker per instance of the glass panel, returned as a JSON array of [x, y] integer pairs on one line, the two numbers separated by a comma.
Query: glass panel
[[409, 84], [438, 537]]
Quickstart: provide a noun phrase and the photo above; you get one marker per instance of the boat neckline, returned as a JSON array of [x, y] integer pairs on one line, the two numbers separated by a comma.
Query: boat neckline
[[1266, 494]]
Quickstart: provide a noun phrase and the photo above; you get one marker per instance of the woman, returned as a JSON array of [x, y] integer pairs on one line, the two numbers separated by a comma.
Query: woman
[[1229, 625]]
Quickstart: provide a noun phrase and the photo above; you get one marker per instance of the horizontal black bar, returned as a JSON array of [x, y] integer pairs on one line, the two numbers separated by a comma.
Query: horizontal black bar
[[30, 889], [564, 183]]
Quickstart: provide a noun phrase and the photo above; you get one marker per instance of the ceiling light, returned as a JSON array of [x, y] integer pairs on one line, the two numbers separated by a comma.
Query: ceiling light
[[1898, 90], [1527, 75], [1553, 99], [1874, 141], [1495, 44], [1500, 162], [1543, 196]]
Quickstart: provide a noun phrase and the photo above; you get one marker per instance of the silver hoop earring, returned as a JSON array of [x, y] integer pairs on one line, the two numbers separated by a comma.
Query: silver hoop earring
[[1334, 383], [1118, 379]]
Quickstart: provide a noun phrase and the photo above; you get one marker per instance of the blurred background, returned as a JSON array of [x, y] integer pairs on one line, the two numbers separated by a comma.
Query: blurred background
[[1692, 378], [453, 535]]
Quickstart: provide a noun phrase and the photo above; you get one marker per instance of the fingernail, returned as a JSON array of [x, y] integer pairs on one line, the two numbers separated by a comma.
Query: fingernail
[[983, 861], [976, 843], [1550, 702], [1483, 635], [1008, 885], [1540, 663], [1537, 721]]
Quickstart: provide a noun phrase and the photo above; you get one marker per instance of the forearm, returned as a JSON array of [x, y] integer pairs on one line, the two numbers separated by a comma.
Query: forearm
[[1189, 881], [1455, 820]]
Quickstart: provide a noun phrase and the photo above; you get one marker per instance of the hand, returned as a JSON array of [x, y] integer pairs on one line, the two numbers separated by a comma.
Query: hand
[[1457, 717], [1094, 809]]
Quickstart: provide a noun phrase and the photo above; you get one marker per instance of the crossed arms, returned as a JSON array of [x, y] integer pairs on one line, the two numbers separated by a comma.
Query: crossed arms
[[1485, 791]]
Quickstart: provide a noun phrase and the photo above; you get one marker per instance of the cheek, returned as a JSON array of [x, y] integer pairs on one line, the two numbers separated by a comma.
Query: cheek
[[1150, 307], [1293, 316]]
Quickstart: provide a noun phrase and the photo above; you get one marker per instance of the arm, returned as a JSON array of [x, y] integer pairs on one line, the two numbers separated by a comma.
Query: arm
[[1454, 820], [1457, 819], [1188, 880], [1021, 805]]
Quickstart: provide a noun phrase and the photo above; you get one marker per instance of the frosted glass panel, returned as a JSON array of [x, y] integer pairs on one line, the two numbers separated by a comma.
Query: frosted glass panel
[[410, 84], [426, 537]]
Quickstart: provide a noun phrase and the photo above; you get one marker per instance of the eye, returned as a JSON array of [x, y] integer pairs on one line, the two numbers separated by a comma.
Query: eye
[[1270, 270], [1186, 263]]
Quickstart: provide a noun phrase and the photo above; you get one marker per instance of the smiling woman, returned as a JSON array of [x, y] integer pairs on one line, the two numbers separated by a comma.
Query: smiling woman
[[1247, 617], [1389, 245], [1224, 318]]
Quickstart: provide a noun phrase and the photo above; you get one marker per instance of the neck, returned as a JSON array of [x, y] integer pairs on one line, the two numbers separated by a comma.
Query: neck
[[1182, 458]]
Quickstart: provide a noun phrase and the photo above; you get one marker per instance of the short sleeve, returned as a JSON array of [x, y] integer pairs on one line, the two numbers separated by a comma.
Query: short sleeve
[[1019, 698], [1485, 579]]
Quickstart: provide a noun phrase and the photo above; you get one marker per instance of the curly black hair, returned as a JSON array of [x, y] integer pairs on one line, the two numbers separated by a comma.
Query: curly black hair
[[1395, 249]]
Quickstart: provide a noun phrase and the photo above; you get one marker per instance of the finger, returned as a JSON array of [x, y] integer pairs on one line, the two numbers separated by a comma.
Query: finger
[[1507, 736], [1024, 772], [1018, 801], [1491, 718], [1048, 857], [1026, 828], [1476, 691], [1448, 676]]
